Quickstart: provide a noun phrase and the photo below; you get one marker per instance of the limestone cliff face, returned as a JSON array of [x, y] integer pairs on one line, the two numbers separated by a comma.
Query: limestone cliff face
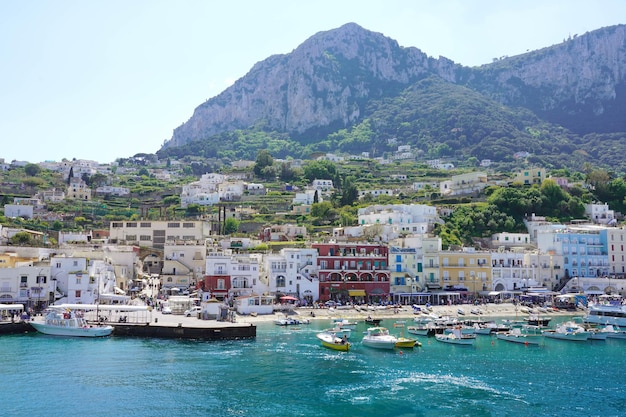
[[328, 80], [325, 81], [579, 83]]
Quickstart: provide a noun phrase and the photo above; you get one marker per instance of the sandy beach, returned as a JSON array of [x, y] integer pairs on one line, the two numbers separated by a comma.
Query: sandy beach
[[504, 310]]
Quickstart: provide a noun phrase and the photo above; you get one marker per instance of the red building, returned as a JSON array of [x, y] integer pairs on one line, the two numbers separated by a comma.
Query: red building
[[356, 272]]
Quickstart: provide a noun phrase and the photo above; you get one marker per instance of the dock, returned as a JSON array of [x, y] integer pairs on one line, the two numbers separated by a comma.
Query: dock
[[164, 326]]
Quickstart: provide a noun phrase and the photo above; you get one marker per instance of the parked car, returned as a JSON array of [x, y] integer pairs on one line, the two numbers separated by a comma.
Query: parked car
[[166, 310], [193, 311]]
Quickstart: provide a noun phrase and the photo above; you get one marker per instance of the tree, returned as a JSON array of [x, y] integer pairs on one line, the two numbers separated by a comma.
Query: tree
[[263, 160], [21, 239], [32, 169], [349, 192], [320, 170], [231, 225]]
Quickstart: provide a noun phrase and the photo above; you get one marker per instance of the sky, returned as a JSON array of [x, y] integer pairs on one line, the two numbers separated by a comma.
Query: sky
[[107, 79]]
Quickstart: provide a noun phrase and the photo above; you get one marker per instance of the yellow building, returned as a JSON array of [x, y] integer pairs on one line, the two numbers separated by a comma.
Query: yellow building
[[531, 176], [467, 269], [78, 190], [11, 260]]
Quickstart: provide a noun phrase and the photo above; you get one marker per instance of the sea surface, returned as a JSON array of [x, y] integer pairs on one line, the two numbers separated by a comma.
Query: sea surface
[[285, 372]]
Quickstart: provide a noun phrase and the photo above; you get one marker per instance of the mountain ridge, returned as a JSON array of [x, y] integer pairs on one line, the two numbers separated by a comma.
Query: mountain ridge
[[328, 82]]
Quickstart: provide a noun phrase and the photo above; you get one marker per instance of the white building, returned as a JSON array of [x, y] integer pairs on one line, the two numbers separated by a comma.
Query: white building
[[18, 210], [600, 213], [293, 271], [509, 240], [413, 218], [306, 198], [157, 233], [108, 189], [468, 183], [322, 185]]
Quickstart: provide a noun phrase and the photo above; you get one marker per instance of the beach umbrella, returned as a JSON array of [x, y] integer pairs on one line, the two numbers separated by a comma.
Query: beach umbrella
[[288, 298]]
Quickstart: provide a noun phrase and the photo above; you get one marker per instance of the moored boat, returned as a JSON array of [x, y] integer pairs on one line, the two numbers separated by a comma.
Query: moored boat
[[519, 335], [603, 314], [456, 337], [331, 341], [379, 338], [568, 331], [339, 331], [344, 323], [69, 323], [405, 342], [372, 321]]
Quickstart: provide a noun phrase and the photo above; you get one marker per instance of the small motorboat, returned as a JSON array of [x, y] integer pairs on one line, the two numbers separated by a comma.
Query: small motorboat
[[331, 341], [405, 342], [519, 335], [344, 323], [568, 331], [379, 338], [372, 321], [456, 337]]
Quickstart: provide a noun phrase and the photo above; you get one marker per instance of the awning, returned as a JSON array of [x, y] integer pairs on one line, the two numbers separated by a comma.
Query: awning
[[356, 293]]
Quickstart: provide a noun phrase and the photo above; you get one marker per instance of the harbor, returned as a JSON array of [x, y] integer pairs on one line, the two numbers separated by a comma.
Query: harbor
[[284, 370]]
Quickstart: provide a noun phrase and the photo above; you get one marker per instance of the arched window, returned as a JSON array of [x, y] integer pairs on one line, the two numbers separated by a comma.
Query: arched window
[[280, 281]]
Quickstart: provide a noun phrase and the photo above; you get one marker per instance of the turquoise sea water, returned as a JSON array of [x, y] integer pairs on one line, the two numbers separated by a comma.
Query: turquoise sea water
[[285, 372]]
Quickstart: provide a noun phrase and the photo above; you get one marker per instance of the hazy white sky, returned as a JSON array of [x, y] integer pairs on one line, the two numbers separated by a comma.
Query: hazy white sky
[[103, 79]]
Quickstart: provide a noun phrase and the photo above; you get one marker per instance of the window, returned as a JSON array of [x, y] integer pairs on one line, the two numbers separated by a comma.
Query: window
[[78, 279], [145, 224], [280, 281], [221, 284], [77, 294], [145, 237]]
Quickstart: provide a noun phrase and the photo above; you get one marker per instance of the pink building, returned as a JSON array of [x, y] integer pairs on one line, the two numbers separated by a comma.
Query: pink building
[[353, 272]]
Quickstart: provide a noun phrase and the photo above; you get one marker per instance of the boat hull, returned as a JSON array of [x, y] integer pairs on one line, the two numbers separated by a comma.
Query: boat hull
[[521, 339], [100, 331], [573, 337], [380, 344], [406, 343], [330, 341], [466, 340]]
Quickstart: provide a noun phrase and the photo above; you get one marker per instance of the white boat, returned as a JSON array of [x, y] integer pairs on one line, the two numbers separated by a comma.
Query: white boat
[[339, 331], [517, 335], [379, 338], [456, 337], [603, 314], [69, 323], [289, 321], [613, 333], [482, 329], [568, 331], [344, 323]]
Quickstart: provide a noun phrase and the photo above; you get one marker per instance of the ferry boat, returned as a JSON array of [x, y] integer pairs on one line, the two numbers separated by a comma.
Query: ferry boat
[[69, 323], [604, 314]]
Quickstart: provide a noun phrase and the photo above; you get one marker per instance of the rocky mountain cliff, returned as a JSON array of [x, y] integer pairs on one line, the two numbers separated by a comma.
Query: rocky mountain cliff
[[580, 83], [328, 82]]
